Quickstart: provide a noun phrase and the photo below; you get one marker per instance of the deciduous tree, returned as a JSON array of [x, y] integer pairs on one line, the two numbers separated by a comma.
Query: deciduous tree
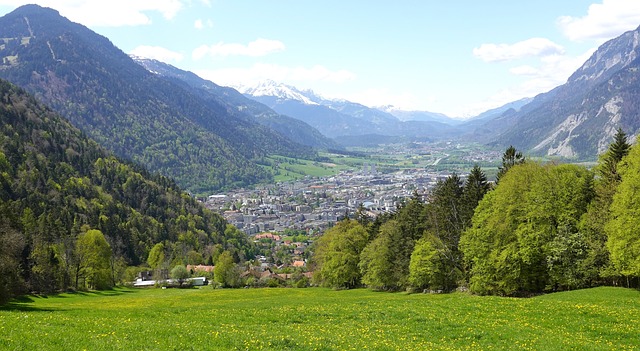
[[378, 260], [508, 245], [227, 272], [337, 255], [622, 229], [92, 255], [180, 274], [596, 266]]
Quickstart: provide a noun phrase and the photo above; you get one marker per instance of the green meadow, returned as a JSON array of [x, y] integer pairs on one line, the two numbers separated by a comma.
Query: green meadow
[[320, 319]]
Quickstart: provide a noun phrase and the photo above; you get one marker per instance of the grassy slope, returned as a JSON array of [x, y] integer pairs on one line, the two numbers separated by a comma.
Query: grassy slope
[[319, 319]]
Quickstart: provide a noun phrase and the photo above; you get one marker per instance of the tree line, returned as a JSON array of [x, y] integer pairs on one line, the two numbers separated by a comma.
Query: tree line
[[539, 228]]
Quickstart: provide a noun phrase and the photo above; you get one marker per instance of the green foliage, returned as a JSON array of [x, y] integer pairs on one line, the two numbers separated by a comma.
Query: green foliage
[[12, 245], [596, 266], [92, 257], [337, 255], [623, 240], [156, 256], [519, 229], [510, 158], [227, 273], [448, 211], [378, 262], [427, 267], [180, 274], [475, 187], [55, 183], [608, 166]]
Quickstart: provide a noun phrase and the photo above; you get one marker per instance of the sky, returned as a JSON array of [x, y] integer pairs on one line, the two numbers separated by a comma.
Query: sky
[[459, 58]]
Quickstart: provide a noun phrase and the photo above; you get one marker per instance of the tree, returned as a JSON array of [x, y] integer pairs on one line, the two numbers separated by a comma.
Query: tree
[[596, 265], [226, 272], [10, 249], [156, 256], [510, 158], [92, 255], [428, 266], [618, 149], [475, 187], [337, 254], [445, 213], [508, 245], [180, 274], [623, 240], [377, 260]]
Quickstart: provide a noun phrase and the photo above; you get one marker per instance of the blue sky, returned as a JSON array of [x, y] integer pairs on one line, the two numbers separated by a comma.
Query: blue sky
[[455, 57]]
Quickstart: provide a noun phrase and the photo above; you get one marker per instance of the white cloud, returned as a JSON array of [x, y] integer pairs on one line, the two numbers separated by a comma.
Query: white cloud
[[527, 48], [259, 47], [200, 24], [113, 13], [157, 53], [260, 72], [603, 21]]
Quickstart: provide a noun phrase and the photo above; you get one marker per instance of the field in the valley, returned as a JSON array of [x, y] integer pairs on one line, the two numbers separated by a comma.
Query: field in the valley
[[320, 319]]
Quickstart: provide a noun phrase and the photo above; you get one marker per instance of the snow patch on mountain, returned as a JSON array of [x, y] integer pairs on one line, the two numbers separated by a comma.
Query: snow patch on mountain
[[280, 91]]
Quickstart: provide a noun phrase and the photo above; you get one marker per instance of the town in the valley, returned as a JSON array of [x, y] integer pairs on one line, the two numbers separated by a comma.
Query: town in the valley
[[288, 216]]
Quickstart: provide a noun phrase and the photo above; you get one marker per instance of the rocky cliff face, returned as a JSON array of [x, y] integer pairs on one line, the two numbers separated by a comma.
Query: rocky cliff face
[[579, 118]]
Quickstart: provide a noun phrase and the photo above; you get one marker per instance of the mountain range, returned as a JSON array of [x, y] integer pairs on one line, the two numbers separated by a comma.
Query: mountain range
[[339, 118], [208, 137], [576, 120], [198, 138], [236, 102]]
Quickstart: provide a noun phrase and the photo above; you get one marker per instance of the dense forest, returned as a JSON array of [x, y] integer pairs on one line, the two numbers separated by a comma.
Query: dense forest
[[540, 228], [74, 215]]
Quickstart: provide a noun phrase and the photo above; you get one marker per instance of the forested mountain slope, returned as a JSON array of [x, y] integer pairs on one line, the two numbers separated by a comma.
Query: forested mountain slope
[[55, 184], [137, 114], [240, 105]]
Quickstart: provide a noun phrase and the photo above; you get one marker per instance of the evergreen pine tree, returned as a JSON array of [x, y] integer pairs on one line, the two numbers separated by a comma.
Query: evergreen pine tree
[[473, 191], [510, 158]]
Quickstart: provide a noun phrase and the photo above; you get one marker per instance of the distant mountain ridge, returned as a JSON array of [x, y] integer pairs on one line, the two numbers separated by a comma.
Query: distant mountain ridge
[[424, 116], [153, 120], [240, 105], [337, 118]]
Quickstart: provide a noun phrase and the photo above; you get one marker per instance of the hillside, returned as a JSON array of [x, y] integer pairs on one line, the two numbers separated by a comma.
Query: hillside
[[579, 118], [241, 106], [138, 115], [55, 183]]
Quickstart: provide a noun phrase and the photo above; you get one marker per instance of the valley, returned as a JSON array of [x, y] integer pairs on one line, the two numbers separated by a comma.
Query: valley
[[313, 196], [195, 189], [115, 167]]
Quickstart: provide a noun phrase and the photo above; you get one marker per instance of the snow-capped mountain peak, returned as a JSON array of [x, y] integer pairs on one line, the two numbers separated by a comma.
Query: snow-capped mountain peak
[[280, 91]]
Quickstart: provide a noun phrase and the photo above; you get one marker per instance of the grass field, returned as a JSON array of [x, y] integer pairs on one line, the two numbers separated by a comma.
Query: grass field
[[320, 319]]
